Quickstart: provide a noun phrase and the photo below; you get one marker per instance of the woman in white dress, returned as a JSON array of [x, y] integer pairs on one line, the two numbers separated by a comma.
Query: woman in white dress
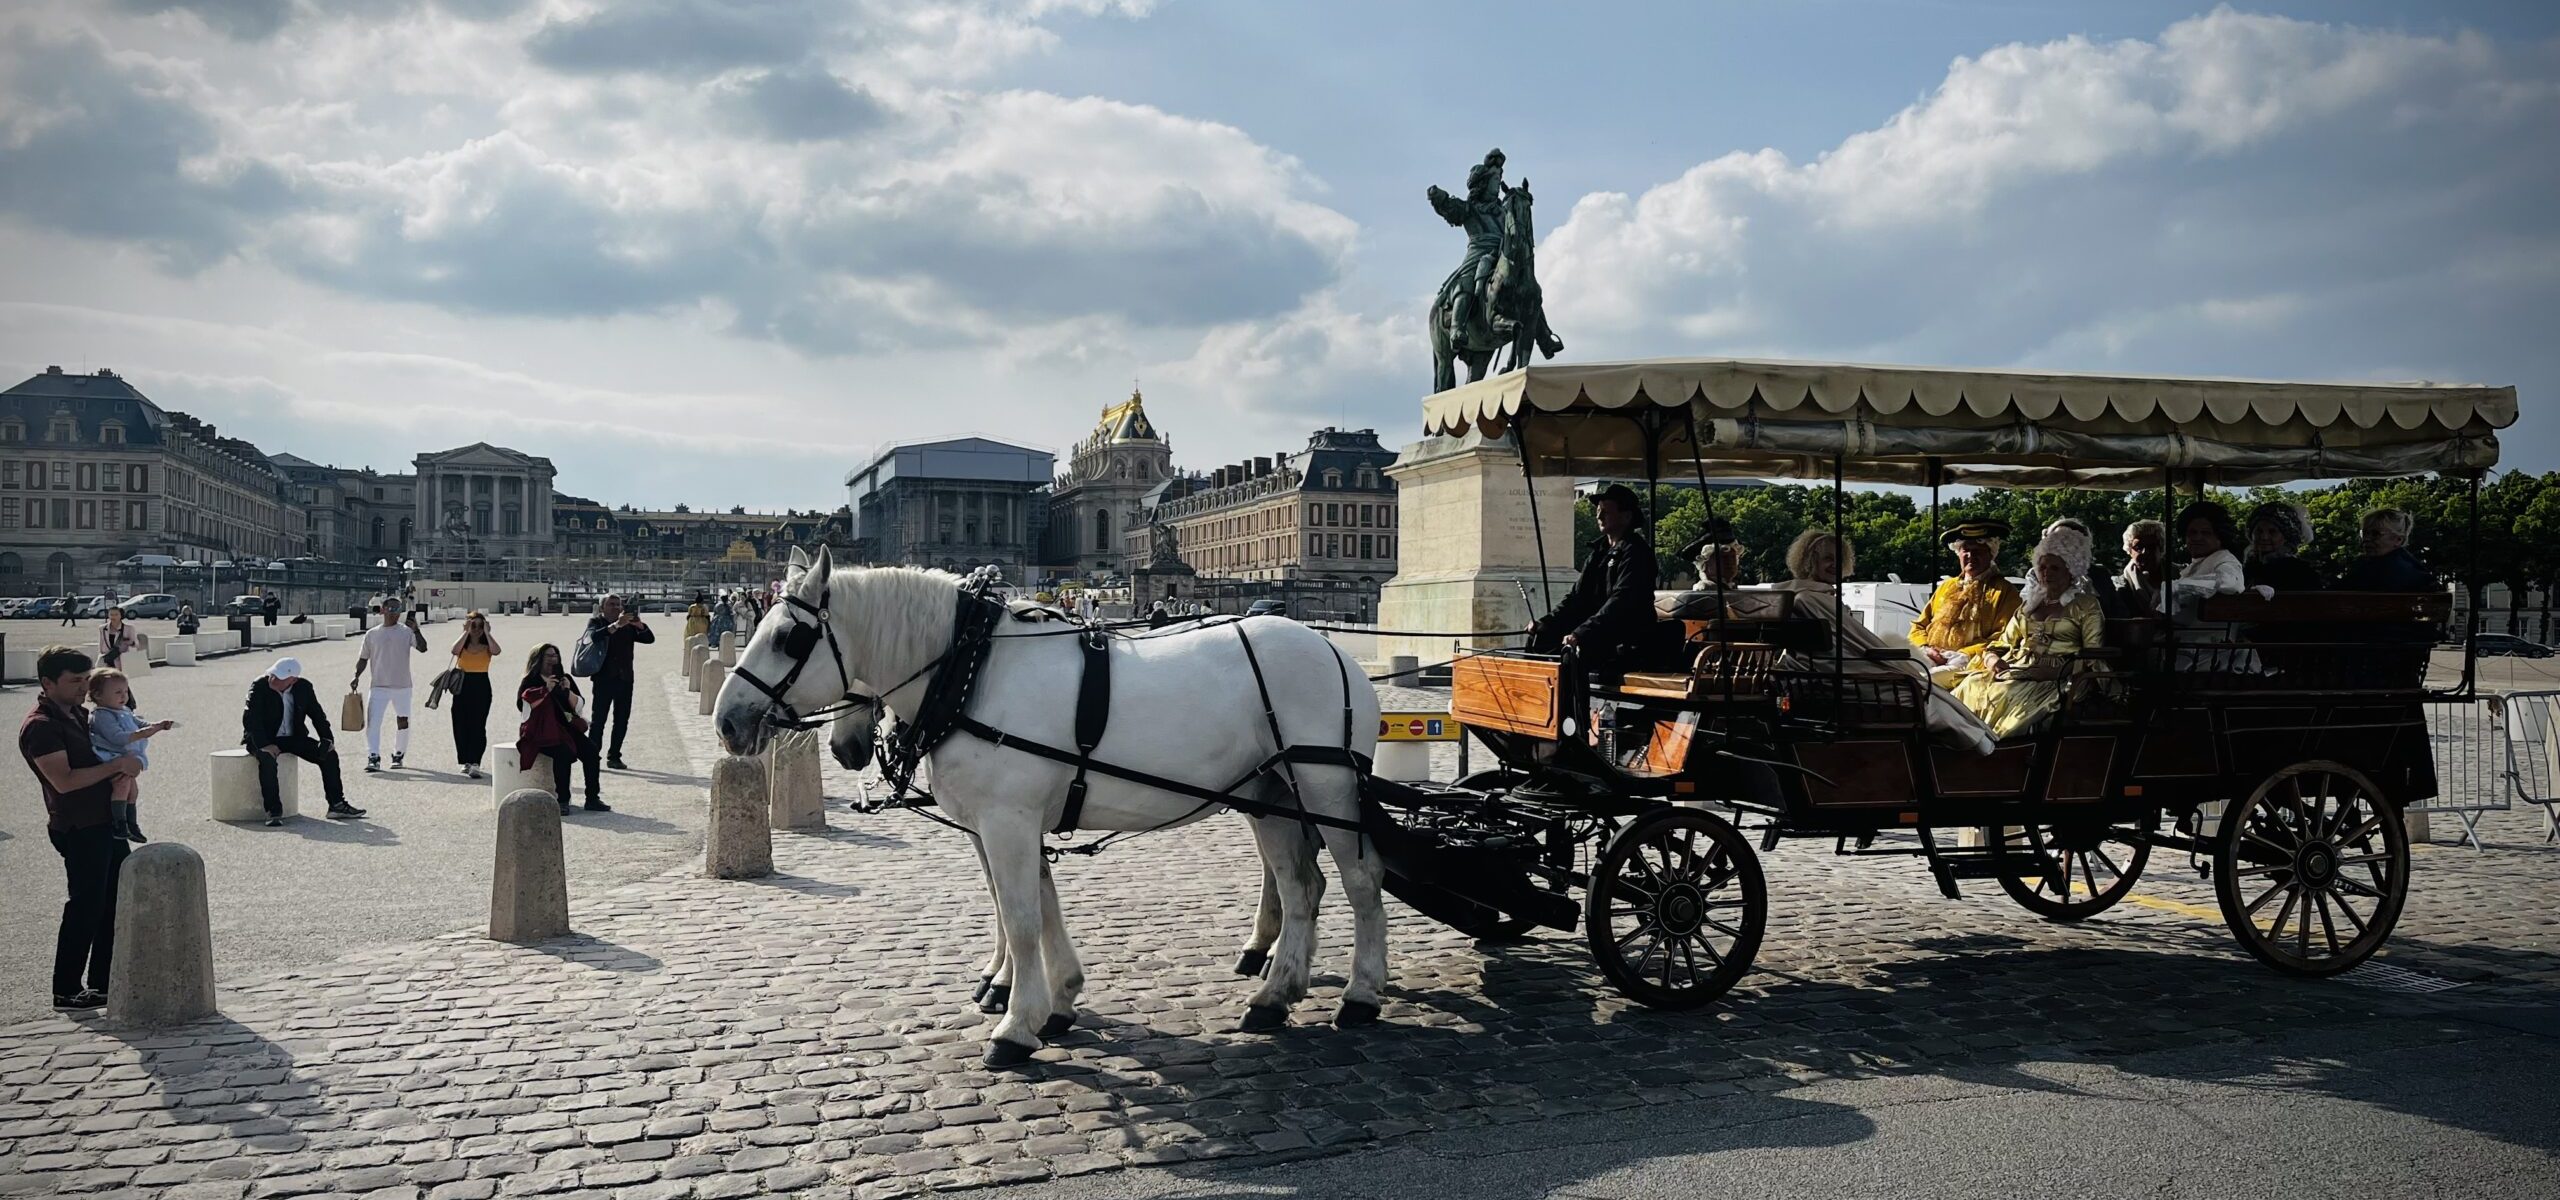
[[2212, 541]]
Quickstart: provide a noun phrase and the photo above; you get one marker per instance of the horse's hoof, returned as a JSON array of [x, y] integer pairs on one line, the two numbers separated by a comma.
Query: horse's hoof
[[1263, 1018], [984, 982], [1057, 1025], [999, 996], [1001, 1053], [1354, 1012], [1252, 962]]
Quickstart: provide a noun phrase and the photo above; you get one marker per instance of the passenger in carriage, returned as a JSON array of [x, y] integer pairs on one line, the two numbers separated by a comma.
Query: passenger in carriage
[[2097, 583], [2020, 679], [1966, 611], [2278, 532], [2387, 565], [1609, 612], [2145, 579], [2213, 568], [1819, 562]]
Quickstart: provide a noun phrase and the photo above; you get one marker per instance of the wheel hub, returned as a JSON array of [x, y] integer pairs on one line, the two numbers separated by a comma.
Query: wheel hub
[[2316, 863], [1682, 910]]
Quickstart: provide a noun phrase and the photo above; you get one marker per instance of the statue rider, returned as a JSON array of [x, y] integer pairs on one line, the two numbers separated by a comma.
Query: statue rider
[[1480, 214]]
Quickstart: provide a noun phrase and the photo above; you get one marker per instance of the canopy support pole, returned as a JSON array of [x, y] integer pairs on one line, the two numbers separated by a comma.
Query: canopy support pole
[[1537, 532], [2471, 584], [1839, 558], [1937, 473]]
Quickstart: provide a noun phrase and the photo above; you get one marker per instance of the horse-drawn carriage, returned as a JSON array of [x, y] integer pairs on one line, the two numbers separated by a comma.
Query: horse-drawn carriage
[[2277, 739], [2285, 755]]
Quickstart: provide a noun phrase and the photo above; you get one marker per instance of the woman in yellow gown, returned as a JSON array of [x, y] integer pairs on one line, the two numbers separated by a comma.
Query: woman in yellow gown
[[2019, 681]]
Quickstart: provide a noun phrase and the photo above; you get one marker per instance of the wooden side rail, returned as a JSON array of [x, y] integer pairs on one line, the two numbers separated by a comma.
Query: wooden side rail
[[2246, 607]]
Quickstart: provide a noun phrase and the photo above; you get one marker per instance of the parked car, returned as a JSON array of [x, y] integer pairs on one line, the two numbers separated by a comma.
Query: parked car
[[1276, 608], [151, 604], [149, 560], [15, 606], [41, 606], [2510, 644], [93, 606], [250, 605]]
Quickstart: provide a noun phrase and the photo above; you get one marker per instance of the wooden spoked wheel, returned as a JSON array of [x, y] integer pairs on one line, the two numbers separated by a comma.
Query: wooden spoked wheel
[[1677, 908], [2070, 871], [2312, 870]]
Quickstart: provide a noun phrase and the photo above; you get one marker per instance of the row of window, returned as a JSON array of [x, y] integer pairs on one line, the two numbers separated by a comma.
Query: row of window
[[1345, 516], [35, 475], [1349, 545], [63, 429], [75, 514]]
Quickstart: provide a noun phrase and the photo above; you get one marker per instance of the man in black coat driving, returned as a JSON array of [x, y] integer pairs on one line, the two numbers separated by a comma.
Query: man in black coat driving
[[284, 717], [1610, 610]]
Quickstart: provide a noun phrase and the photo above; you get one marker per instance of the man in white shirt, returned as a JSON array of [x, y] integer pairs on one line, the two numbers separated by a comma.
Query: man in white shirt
[[387, 648]]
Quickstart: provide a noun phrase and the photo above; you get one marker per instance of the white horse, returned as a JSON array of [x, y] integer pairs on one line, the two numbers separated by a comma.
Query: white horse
[[1183, 708]]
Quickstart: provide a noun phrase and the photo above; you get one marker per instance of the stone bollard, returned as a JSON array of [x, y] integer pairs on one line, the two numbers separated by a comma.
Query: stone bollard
[[1406, 761], [692, 656], [182, 652], [729, 649], [715, 675], [799, 789], [529, 892], [232, 793], [164, 939], [1407, 669], [739, 843]]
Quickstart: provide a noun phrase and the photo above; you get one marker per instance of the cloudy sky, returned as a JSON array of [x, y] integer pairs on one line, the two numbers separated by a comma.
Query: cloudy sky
[[716, 250]]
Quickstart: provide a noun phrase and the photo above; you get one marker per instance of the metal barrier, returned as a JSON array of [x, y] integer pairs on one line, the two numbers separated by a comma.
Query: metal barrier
[[2533, 753], [2492, 751]]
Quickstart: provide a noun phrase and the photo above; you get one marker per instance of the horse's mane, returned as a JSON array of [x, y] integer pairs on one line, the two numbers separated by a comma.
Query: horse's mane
[[898, 614]]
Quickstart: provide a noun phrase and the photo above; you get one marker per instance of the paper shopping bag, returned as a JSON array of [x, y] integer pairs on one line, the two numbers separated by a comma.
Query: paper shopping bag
[[351, 713]]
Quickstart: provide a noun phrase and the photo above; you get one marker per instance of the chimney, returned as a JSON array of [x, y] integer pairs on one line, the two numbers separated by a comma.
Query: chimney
[[1218, 478], [1261, 467], [53, 370]]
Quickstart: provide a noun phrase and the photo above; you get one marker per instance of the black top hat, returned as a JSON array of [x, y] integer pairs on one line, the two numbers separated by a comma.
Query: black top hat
[[1975, 531]]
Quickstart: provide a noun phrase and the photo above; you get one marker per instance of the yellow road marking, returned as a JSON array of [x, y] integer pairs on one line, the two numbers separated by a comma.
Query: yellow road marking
[[2182, 908]]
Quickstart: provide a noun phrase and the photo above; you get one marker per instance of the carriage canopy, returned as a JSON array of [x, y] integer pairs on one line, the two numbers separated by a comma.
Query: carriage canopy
[[1883, 424]]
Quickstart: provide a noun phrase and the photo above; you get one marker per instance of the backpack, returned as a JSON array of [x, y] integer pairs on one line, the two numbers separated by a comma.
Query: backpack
[[589, 657]]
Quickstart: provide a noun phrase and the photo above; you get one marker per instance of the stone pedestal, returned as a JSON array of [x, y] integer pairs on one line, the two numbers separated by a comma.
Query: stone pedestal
[[714, 677], [1174, 583], [529, 890], [182, 652], [506, 778], [1465, 545], [730, 644], [164, 939]]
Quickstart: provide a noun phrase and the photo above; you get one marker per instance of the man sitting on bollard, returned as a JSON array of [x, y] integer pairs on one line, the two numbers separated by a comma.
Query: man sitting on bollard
[[54, 740], [280, 702]]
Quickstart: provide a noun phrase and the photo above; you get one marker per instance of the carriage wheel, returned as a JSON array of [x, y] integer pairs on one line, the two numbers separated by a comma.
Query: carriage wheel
[[1677, 908], [2072, 871], [2312, 869]]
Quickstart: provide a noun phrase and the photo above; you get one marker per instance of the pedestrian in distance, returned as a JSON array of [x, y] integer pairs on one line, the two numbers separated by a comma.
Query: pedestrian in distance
[[283, 717], [188, 622], [697, 617], [115, 637], [553, 727], [78, 789], [472, 695], [115, 732], [618, 630], [70, 609], [386, 650], [271, 606]]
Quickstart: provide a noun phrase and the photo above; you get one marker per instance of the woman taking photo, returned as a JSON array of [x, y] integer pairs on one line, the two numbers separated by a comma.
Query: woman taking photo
[[553, 728], [472, 696]]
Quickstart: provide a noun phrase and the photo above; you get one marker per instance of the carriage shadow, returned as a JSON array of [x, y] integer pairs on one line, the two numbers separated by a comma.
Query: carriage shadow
[[1539, 1035]]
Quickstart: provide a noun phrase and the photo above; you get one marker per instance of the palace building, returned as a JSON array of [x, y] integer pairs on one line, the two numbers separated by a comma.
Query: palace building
[[957, 504], [1095, 504]]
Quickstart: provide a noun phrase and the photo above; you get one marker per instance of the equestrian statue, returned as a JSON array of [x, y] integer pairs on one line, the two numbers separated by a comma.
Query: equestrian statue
[[1491, 302]]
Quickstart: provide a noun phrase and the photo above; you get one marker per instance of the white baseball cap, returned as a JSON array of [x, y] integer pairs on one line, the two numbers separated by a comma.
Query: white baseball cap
[[286, 668]]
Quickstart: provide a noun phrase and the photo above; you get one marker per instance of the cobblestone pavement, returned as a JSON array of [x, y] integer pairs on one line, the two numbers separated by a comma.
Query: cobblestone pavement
[[417, 864], [810, 1032]]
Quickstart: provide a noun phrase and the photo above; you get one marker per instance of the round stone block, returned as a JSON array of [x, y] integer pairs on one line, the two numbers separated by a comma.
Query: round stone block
[[506, 778], [529, 889], [234, 786], [715, 675], [739, 842], [164, 939], [182, 652]]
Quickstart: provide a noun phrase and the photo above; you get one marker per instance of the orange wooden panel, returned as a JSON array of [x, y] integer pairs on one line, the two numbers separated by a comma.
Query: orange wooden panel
[[1668, 751], [1874, 774], [1514, 695], [2003, 772]]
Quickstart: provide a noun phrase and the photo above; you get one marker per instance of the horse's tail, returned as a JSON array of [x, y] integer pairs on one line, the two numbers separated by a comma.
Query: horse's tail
[[1444, 357]]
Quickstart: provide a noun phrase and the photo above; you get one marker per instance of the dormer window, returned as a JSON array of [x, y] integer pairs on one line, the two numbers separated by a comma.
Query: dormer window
[[1333, 478], [12, 431], [111, 433], [62, 429]]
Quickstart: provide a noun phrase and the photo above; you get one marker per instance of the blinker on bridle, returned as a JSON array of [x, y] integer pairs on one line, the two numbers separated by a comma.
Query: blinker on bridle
[[797, 644]]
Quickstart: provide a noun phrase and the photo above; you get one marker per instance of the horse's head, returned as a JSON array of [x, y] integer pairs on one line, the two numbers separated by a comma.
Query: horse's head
[[793, 664]]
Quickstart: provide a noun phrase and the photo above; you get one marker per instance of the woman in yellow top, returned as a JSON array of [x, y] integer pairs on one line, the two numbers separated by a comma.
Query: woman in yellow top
[[2018, 682], [1966, 612], [471, 654], [697, 619]]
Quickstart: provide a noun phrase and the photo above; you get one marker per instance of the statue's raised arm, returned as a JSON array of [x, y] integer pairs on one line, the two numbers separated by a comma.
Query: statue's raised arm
[[1450, 208]]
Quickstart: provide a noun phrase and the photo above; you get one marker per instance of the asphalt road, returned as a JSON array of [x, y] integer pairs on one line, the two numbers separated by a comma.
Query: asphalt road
[[416, 866]]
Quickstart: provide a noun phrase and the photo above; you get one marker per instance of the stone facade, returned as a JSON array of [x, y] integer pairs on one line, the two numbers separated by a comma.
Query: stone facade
[[354, 515], [93, 472], [1096, 501], [1472, 546], [481, 504], [1327, 512], [957, 504]]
